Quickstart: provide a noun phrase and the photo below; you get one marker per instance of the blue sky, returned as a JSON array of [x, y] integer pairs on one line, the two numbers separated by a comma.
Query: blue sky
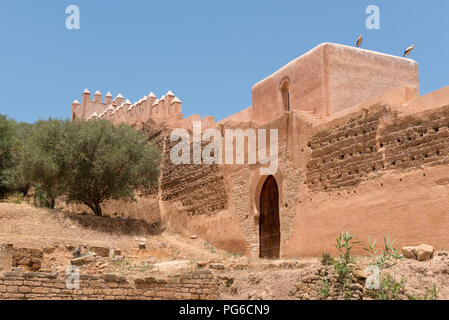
[[209, 53]]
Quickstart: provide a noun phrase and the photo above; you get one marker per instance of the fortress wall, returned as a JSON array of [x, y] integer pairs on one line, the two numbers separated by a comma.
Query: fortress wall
[[405, 198], [365, 144], [356, 153], [307, 87], [199, 188], [244, 115], [417, 140], [168, 109], [345, 152], [194, 198], [330, 78], [431, 100], [245, 183], [356, 75]]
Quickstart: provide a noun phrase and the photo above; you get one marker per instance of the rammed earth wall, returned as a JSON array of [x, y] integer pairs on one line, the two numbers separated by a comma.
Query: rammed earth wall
[[366, 145]]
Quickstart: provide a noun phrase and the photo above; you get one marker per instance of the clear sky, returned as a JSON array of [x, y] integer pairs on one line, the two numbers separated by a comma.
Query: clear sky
[[209, 53]]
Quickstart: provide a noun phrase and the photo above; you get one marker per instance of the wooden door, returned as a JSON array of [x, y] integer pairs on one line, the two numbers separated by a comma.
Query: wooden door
[[269, 226]]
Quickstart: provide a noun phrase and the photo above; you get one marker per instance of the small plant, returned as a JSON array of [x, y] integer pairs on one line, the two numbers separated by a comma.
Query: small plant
[[17, 198], [389, 288], [229, 283], [325, 289], [236, 254], [431, 292], [326, 259], [348, 294], [388, 258], [344, 244], [209, 247]]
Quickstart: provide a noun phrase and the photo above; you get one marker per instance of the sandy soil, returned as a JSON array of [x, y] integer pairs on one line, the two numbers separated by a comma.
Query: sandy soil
[[58, 232]]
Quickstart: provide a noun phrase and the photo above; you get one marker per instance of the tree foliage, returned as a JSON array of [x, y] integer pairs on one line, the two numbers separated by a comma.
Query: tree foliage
[[87, 162], [42, 158], [105, 162], [6, 142], [12, 135]]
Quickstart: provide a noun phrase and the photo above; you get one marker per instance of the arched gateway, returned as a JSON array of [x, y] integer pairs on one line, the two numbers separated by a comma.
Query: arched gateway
[[269, 226]]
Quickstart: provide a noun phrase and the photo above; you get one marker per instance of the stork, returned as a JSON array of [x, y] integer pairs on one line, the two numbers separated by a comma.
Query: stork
[[409, 50], [359, 41]]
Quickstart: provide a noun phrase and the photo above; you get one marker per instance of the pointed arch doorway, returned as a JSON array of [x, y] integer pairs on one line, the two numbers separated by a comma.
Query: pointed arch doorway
[[269, 225]]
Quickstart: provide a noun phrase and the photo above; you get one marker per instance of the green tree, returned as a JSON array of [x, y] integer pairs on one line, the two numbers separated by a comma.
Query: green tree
[[6, 159], [103, 162], [13, 177], [42, 158]]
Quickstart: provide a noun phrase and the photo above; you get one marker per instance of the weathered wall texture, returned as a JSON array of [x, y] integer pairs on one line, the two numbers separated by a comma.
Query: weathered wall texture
[[331, 78], [389, 180], [201, 285]]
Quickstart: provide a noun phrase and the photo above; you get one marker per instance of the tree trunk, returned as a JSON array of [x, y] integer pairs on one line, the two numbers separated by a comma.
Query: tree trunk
[[52, 203], [95, 207]]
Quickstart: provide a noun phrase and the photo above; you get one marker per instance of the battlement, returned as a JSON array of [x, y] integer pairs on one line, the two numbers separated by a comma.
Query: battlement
[[120, 110]]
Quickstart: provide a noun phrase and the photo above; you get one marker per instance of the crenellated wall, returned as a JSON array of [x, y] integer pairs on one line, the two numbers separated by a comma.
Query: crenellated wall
[[166, 109]]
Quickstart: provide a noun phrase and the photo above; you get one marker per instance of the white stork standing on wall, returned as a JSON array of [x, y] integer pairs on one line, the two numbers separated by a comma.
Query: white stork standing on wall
[[409, 50], [359, 41]]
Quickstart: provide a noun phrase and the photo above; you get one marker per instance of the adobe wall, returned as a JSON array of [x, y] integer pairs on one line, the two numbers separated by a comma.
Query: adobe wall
[[197, 285], [375, 173], [359, 151], [165, 110], [330, 78]]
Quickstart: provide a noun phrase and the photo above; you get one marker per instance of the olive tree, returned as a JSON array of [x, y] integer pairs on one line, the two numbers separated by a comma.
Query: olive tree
[[14, 178], [42, 158], [102, 161], [6, 142]]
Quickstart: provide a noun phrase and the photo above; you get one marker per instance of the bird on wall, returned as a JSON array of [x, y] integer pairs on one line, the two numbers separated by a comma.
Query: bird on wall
[[359, 41], [409, 50]]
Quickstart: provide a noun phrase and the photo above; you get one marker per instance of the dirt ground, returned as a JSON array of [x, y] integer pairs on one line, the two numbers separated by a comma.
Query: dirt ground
[[57, 233]]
